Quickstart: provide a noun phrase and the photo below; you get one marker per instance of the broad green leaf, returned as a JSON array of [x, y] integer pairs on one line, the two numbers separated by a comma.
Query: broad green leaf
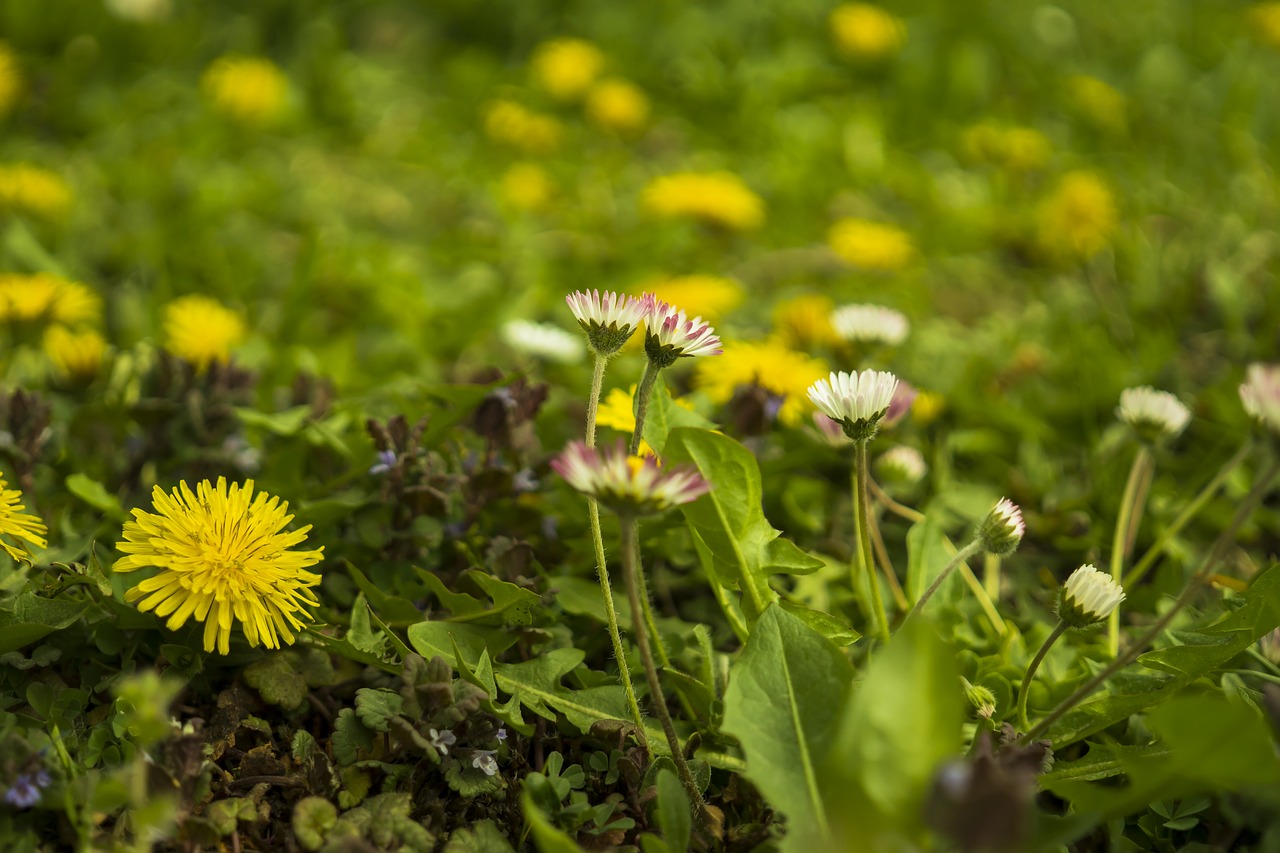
[[431, 639], [34, 618], [834, 629], [737, 545], [582, 597], [899, 724], [783, 705], [927, 556], [674, 812], [393, 609], [277, 679], [374, 706], [286, 423], [95, 495], [548, 837], [665, 414]]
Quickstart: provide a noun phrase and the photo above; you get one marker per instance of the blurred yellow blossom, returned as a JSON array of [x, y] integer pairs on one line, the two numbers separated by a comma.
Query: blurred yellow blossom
[[19, 524], [1019, 149], [617, 411], [515, 125], [707, 296], [201, 330], [74, 354], [1264, 23], [246, 88], [10, 79], [720, 198], [43, 296], [926, 407], [805, 321], [31, 189], [1078, 218], [871, 245], [618, 106], [567, 67], [1102, 105], [527, 186], [770, 365], [863, 31]]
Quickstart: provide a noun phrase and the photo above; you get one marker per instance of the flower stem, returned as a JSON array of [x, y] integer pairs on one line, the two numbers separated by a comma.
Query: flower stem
[[1143, 565], [862, 523], [631, 573], [643, 392], [1031, 672], [963, 554], [1202, 575], [602, 565], [1130, 517], [886, 565]]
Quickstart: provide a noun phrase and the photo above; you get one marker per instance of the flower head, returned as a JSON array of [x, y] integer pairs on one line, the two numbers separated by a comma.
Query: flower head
[[1260, 394], [709, 295], [1153, 414], [10, 79], [1018, 149], [35, 191], [224, 556], [719, 198], [567, 67], [608, 318], [442, 740], [871, 245], [484, 760], [542, 340], [805, 320], [672, 335], [18, 524], [1002, 529], [628, 485], [46, 297], [74, 354], [24, 791], [870, 324], [866, 32], [201, 330], [519, 127], [902, 464], [618, 106], [527, 186], [1088, 597], [247, 89], [857, 401], [770, 365], [1078, 217], [1102, 105]]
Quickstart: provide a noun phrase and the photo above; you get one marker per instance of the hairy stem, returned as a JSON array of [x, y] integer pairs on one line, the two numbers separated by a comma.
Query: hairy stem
[[963, 554], [1031, 673], [862, 524], [643, 392], [1129, 518]]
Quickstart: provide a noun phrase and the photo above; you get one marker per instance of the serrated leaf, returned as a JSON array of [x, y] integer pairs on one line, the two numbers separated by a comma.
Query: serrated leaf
[[349, 737], [470, 781], [374, 706], [277, 679]]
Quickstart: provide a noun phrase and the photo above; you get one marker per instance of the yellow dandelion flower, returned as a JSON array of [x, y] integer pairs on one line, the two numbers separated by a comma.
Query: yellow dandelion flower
[[567, 67], [708, 296], [1019, 149], [1078, 218], [926, 407], [866, 32], [224, 556], [720, 198], [30, 189], [246, 88], [617, 411], [512, 124], [1264, 23], [618, 106], [201, 330], [871, 245], [18, 524], [27, 298], [805, 321], [10, 79], [1101, 104], [527, 186], [74, 354], [770, 365]]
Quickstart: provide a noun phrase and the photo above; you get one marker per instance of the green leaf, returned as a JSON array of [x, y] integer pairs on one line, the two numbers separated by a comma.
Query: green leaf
[[481, 837], [665, 414], [349, 737], [395, 610], [737, 545], [674, 812], [431, 639], [278, 679], [900, 724], [548, 837], [374, 706], [927, 556], [35, 617], [1103, 761], [95, 495], [836, 630], [783, 705], [286, 423]]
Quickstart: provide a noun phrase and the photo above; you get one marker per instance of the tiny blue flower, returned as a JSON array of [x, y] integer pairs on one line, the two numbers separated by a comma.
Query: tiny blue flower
[[502, 734], [483, 760], [386, 461], [442, 740], [23, 793]]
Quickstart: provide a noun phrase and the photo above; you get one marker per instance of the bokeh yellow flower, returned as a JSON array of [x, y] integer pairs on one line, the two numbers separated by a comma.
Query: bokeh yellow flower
[[512, 124], [867, 32], [1264, 23], [1019, 149], [708, 296], [18, 524], [1078, 218], [618, 106], [201, 330], [46, 297], [246, 88], [770, 365], [871, 245], [33, 190], [805, 321], [1101, 104], [527, 186], [926, 407], [10, 79], [224, 556], [617, 411], [720, 198], [74, 354], [567, 67]]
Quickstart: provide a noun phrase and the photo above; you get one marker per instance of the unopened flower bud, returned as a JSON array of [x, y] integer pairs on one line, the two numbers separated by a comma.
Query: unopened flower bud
[[1002, 529], [1088, 597]]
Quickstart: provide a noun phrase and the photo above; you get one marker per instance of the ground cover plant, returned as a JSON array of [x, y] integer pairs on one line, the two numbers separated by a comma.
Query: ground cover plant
[[665, 426]]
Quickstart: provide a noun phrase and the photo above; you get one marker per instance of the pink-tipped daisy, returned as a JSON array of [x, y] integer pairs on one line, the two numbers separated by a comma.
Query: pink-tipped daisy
[[673, 335], [858, 401], [628, 485], [1002, 529], [608, 318]]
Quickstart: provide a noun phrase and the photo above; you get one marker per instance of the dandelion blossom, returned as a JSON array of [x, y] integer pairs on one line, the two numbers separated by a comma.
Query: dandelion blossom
[[35, 191], [871, 245], [18, 524], [1264, 20], [1078, 218], [718, 198], [40, 297], [519, 127], [566, 67], [10, 79], [74, 354], [527, 186], [806, 320], [1102, 105], [245, 88], [201, 330], [770, 365], [866, 32], [617, 106], [709, 295], [224, 556]]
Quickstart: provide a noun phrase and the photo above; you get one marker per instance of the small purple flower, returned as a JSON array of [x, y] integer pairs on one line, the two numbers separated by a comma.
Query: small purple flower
[[25, 791], [386, 461], [524, 481], [502, 734], [903, 396], [484, 760], [442, 740]]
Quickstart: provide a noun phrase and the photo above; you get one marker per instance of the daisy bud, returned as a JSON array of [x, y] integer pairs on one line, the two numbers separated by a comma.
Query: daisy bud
[[981, 700], [628, 485], [1154, 415], [609, 319], [672, 335], [870, 324], [1002, 529], [857, 400], [1260, 395], [1088, 597], [903, 465]]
